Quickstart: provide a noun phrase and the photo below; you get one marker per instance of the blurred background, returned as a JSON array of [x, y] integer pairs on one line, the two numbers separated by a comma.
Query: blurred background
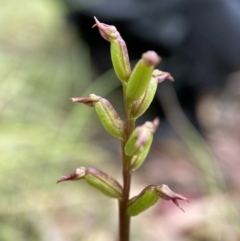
[[49, 53]]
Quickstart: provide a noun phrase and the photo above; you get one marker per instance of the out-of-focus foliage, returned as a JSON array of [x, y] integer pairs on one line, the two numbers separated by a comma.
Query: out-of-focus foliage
[[42, 133]]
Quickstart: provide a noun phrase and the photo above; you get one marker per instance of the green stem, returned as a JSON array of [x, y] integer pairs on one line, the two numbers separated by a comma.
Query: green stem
[[124, 218]]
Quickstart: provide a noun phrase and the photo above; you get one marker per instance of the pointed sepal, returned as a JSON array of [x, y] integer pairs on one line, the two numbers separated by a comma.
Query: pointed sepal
[[166, 193]]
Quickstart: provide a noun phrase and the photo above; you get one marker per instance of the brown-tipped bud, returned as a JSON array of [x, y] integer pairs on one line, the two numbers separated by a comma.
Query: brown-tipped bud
[[141, 105], [147, 198], [89, 100], [106, 113], [140, 138], [141, 75], [98, 179], [118, 49], [166, 193], [76, 175]]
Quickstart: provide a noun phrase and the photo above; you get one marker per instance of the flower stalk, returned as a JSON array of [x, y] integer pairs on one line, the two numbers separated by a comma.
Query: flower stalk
[[124, 218], [139, 88]]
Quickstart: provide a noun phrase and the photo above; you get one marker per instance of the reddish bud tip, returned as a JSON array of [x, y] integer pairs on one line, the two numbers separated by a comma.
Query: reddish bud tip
[[107, 31], [76, 175], [151, 58], [68, 177]]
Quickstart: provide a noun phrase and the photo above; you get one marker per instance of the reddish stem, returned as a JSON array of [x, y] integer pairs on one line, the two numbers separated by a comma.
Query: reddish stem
[[124, 218]]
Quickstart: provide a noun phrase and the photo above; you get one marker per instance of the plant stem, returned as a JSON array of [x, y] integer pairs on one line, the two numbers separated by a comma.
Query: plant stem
[[124, 218], [124, 222]]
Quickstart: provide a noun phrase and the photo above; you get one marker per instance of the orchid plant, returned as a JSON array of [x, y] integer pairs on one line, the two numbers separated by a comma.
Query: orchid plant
[[139, 87]]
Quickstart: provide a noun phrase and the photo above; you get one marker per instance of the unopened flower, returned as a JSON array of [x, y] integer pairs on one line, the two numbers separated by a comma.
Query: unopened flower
[[149, 196], [118, 49], [96, 178], [140, 137], [106, 113]]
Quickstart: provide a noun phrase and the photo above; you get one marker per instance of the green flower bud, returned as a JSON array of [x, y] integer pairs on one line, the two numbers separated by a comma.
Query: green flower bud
[[140, 138], [166, 193], [118, 50], [106, 113], [141, 75], [138, 160], [141, 105], [109, 118], [98, 179], [147, 198]]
